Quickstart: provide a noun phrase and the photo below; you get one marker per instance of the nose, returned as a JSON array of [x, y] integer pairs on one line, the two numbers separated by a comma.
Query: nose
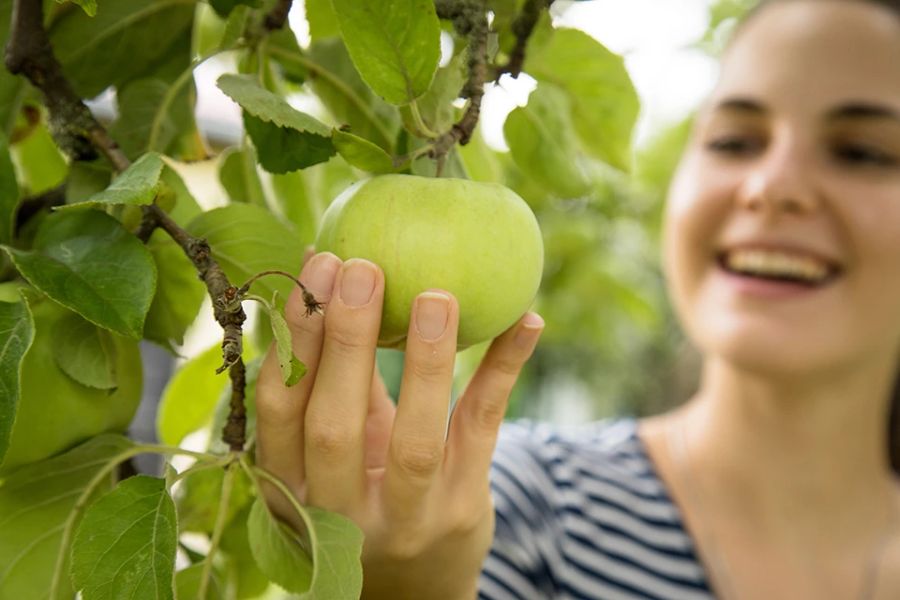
[[779, 182]]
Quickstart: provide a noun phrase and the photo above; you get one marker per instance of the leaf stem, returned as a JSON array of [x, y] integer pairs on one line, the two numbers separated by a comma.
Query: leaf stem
[[196, 468], [218, 528], [257, 473], [156, 125], [419, 122]]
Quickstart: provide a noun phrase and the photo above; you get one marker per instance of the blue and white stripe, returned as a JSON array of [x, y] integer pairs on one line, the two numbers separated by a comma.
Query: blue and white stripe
[[582, 514]]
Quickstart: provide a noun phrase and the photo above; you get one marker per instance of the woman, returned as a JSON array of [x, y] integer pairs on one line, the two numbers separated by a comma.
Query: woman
[[772, 482]]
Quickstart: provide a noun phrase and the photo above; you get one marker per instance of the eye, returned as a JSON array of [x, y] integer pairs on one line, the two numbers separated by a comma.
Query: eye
[[862, 155], [734, 145]]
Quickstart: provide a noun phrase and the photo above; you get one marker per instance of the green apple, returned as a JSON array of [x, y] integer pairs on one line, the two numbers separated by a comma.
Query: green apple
[[479, 241], [55, 412]]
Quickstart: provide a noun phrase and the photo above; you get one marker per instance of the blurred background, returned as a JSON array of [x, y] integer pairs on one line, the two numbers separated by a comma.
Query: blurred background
[[611, 345]]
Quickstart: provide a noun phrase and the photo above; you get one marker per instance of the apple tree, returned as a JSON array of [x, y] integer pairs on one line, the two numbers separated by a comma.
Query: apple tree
[[103, 246]]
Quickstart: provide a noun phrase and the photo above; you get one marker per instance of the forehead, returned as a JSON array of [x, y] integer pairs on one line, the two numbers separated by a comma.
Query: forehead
[[812, 53]]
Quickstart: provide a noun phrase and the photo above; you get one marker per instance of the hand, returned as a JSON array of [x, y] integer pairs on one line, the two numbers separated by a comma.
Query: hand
[[419, 491]]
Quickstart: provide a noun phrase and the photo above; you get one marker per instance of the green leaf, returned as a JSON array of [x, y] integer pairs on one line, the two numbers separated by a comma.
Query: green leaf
[[292, 370], [267, 106], [285, 138], [89, 6], [348, 99], [87, 179], [336, 542], [87, 261], [247, 240], [16, 335], [41, 165], [362, 153], [543, 143], [224, 7], [241, 571], [239, 177], [152, 116], [278, 551], [187, 584], [199, 497], [323, 22], [9, 193], [605, 104], [179, 293], [12, 87], [299, 202], [190, 397], [125, 41], [85, 352], [282, 150], [125, 544], [35, 502], [137, 185], [395, 44], [186, 207]]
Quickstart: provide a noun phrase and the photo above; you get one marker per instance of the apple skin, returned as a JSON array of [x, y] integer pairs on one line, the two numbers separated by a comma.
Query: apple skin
[[479, 241], [56, 412]]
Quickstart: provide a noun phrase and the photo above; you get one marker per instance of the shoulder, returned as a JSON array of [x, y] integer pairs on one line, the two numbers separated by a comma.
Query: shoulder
[[582, 510]]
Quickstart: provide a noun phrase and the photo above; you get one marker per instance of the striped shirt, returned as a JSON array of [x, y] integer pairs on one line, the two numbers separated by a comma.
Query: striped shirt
[[582, 514]]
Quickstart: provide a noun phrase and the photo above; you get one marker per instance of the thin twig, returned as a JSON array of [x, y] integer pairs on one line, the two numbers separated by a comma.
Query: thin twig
[[32, 205], [278, 15]]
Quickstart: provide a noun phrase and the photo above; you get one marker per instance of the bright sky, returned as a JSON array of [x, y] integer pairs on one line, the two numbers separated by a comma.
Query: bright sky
[[653, 35]]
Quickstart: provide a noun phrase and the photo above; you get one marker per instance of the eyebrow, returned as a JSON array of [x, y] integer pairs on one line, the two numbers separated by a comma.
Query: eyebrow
[[862, 111], [741, 105], [849, 111]]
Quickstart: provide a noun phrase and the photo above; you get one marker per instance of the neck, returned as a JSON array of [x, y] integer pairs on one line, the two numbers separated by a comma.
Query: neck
[[794, 451]]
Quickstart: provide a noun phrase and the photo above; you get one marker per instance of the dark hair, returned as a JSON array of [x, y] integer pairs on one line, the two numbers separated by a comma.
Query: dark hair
[[894, 415]]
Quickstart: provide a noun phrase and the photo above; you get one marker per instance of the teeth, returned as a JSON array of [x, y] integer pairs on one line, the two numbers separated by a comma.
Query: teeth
[[767, 262]]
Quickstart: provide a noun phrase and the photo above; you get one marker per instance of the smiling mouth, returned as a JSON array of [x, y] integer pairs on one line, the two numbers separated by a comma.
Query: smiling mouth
[[795, 279]]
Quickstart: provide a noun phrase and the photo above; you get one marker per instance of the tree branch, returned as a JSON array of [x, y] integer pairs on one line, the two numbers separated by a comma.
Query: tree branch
[[470, 19], [79, 134], [522, 27], [29, 53]]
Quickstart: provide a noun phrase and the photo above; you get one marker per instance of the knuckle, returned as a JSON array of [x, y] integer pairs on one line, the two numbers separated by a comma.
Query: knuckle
[[405, 545], [328, 438], [347, 341], [418, 459], [467, 517], [430, 369], [506, 365], [486, 415]]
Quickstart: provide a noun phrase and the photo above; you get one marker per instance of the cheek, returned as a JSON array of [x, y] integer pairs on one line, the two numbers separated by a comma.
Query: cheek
[[696, 212]]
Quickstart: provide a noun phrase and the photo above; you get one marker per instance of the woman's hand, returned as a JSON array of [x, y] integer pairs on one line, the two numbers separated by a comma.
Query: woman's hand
[[419, 492]]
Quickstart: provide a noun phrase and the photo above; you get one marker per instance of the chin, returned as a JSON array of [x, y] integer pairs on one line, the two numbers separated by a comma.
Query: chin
[[768, 349]]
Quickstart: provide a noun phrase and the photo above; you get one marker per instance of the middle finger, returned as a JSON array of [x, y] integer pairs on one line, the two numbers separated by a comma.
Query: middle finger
[[336, 415]]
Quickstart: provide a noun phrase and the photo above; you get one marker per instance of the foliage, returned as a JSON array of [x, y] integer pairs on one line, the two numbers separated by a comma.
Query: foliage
[[100, 249]]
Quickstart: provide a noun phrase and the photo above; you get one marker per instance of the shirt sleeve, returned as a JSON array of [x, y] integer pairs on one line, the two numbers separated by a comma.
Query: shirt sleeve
[[524, 554]]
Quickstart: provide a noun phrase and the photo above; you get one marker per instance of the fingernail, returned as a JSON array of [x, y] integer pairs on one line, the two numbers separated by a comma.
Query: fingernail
[[319, 275], [432, 309], [531, 328], [357, 282]]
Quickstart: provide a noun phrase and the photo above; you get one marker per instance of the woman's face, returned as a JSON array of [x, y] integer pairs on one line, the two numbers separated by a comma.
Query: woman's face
[[798, 148]]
